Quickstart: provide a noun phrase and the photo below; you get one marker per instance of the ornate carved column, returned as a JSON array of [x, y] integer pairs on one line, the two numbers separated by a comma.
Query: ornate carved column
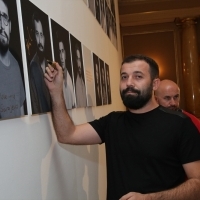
[[191, 67]]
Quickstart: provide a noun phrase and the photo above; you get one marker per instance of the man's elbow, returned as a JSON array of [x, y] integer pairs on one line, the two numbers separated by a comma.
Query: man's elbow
[[64, 140]]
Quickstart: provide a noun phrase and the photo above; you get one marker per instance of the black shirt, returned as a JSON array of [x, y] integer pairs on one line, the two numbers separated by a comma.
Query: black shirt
[[145, 152]]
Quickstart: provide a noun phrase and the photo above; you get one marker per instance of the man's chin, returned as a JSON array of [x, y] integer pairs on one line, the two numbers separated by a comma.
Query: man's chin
[[3, 48], [173, 108]]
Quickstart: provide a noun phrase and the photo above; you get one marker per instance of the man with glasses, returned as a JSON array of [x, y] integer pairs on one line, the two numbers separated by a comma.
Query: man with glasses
[[40, 97], [12, 94]]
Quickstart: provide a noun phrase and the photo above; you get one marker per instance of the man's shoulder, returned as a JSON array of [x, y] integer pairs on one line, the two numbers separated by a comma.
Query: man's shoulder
[[12, 58], [172, 112], [34, 60]]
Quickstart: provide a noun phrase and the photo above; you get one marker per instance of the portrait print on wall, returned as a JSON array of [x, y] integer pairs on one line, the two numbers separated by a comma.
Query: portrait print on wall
[[109, 22], [97, 11], [62, 55], [108, 3], [12, 89], [103, 82], [108, 87], [38, 51], [89, 76], [114, 32], [97, 80], [78, 72], [103, 15], [112, 2]]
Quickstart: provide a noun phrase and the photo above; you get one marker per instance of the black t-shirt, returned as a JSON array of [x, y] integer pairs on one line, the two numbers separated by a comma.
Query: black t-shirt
[[145, 152]]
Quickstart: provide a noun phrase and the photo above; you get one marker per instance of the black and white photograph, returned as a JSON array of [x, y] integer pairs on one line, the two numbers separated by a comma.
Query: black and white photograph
[[108, 86], [78, 72], [103, 15], [97, 76], [97, 11], [12, 90], [112, 2], [89, 76], [109, 22], [103, 82], [38, 51], [108, 3], [114, 32], [62, 55]]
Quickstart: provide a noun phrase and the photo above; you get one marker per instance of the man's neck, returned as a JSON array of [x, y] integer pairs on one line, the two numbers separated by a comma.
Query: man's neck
[[4, 58]]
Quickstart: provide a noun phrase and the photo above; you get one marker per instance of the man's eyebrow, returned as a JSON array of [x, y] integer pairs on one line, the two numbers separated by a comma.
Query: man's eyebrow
[[122, 73], [167, 96], [138, 72]]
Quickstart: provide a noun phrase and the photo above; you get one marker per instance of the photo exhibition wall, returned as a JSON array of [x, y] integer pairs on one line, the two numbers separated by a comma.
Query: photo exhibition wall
[[82, 39], [86, 75]]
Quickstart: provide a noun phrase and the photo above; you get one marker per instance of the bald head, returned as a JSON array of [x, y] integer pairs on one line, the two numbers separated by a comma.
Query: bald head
[[168, 94]]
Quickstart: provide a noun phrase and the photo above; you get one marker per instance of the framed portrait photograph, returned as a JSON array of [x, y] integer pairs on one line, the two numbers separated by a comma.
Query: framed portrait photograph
[[108, 86], [78, 72], [38, 51], [103, 82], [97, 78], [89, 76], [12, 89], [62, 55]]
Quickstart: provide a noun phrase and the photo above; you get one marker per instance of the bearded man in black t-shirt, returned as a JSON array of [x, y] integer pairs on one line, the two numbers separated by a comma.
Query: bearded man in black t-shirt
[[149, 149]]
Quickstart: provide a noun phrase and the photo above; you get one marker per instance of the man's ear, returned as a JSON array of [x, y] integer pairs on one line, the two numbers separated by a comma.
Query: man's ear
[[156, 83]]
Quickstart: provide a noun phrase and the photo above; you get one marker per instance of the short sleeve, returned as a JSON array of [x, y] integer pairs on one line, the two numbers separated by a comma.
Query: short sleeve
[[189, 144], [101, 125]]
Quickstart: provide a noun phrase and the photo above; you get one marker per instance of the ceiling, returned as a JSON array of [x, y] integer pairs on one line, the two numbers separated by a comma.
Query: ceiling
[[142, 12]]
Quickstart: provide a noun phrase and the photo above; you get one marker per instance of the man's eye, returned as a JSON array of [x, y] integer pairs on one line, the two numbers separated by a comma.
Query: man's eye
[[176, 97], [167, 98], [123, 77], [138, 77], [5, 17]]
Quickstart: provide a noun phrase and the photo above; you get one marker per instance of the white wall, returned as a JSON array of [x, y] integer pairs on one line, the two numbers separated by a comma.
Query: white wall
[[33, 164]]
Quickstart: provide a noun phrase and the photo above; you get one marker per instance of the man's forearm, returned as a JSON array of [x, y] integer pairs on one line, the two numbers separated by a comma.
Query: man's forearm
[[63, 124], [189, 190]]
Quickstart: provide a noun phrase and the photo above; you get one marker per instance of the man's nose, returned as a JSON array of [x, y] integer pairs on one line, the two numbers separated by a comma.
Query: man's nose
[[40, 37], [172, 102], [130, 81]]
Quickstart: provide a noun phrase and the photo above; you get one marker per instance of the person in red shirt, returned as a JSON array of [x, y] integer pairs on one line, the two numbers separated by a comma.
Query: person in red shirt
[[168, 95]]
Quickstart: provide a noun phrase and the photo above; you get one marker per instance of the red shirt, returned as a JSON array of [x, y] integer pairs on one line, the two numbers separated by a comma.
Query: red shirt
[[194, 119]]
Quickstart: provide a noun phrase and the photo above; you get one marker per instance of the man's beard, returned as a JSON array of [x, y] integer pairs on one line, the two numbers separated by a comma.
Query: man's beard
[[136, 101], [40, 53], [174, 108], [4, 46]]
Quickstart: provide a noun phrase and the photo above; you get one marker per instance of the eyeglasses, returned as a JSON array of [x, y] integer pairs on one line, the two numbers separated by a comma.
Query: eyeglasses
[[5, 18]]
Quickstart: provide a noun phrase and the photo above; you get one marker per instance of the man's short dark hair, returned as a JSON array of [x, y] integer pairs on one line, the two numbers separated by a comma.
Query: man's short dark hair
[[59, 38], [154, 69], [36, 17]]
